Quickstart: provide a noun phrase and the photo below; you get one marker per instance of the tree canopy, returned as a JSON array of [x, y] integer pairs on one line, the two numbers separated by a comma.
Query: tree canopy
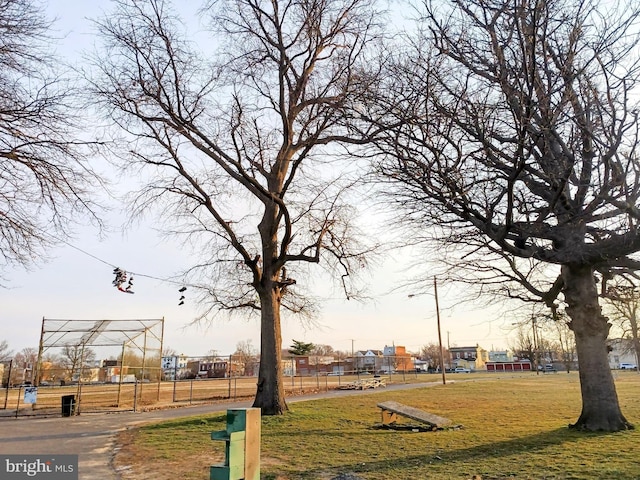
[[239, 146], [512, 142], [300, 348], [46, 184]]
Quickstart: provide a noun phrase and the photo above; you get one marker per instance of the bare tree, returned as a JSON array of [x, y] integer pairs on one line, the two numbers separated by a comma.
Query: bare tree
[[524, 345], [45, 182], [623, 302], [211, 355], [169, 352], [75, 358], [6, 359], [24, 364], [239, 146], [513, 140], [245, 357], [5, 353], [431, 354], [565, 342], [341, 354], [322, 350]]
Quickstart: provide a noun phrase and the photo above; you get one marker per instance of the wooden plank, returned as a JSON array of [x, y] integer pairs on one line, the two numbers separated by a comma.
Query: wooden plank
[[252, 445], [389, 417], [412, 413]]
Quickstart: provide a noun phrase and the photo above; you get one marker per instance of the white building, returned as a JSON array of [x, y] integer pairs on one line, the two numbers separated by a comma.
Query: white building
[[174, 367], [621, 351]]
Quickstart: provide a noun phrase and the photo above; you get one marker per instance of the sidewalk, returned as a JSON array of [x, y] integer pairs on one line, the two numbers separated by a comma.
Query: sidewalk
[[91, 436]]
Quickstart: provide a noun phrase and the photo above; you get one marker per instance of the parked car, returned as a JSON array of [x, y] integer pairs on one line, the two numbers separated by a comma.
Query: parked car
[[461, 370], [628, 366], [548, 368]]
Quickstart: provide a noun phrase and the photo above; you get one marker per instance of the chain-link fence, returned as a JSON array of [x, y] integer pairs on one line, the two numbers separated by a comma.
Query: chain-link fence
[[95, 397]]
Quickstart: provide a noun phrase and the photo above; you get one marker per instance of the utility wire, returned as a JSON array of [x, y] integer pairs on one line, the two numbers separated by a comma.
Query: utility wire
[[137, 274]]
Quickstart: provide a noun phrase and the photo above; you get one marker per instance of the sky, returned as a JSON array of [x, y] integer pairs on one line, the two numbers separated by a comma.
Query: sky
[[75, 283]]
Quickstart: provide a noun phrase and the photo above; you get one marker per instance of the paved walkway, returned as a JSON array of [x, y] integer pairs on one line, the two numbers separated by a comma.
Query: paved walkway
[[93, 436]]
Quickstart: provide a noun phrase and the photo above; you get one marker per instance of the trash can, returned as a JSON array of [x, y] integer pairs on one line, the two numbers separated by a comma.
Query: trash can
[[68, 405]]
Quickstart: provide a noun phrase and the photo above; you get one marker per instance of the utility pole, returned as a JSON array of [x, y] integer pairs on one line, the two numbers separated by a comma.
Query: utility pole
[[435, 290], [449, 359], [353, 357], [536, 355], [442, 367]]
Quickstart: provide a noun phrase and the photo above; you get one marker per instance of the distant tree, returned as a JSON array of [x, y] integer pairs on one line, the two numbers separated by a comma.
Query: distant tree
[[169, 352], [51, 368], [241, 146], [24, 364], [5, 353], [45, 181], [341, 354], [142, 365], [211, 355], [530, 342], [523, 344], [322, 350], [513, 143], [566, 343], [76, 360], [245, 357], [300, 348], [623, 302], [5, 358], [430, 353]]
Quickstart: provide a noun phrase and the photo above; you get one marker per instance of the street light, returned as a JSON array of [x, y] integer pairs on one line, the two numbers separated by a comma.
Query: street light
[[442, 368]]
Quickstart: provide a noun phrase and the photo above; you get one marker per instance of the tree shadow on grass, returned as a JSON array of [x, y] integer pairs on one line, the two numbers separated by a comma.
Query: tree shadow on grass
[[527, 445]]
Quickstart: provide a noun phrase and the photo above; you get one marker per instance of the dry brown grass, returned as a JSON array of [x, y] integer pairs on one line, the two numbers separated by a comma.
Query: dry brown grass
[[514, 427]]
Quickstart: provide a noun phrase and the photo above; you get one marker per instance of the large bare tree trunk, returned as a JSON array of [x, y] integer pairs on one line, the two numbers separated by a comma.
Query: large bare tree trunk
[[600, 407], [270, 394]]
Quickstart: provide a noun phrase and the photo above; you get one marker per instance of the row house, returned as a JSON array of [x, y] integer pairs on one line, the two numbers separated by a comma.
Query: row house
[[210, 369], [473, 358], [305, 365], [244, 365], [397, 359], [111, 371], [174, 366], [501, 356], [368, 361]]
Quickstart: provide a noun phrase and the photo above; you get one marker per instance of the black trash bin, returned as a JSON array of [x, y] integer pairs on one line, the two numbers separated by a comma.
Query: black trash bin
[[68, 405]]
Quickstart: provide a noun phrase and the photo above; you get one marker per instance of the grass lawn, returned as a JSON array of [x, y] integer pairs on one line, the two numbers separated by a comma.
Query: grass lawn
[[514, 426]]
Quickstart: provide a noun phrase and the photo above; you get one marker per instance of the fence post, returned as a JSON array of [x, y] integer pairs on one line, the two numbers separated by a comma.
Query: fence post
[[6, 394], [18, 403], [174, 389]]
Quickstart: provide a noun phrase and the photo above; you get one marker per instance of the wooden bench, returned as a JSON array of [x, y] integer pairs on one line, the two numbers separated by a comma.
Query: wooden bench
[[391, 410]]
